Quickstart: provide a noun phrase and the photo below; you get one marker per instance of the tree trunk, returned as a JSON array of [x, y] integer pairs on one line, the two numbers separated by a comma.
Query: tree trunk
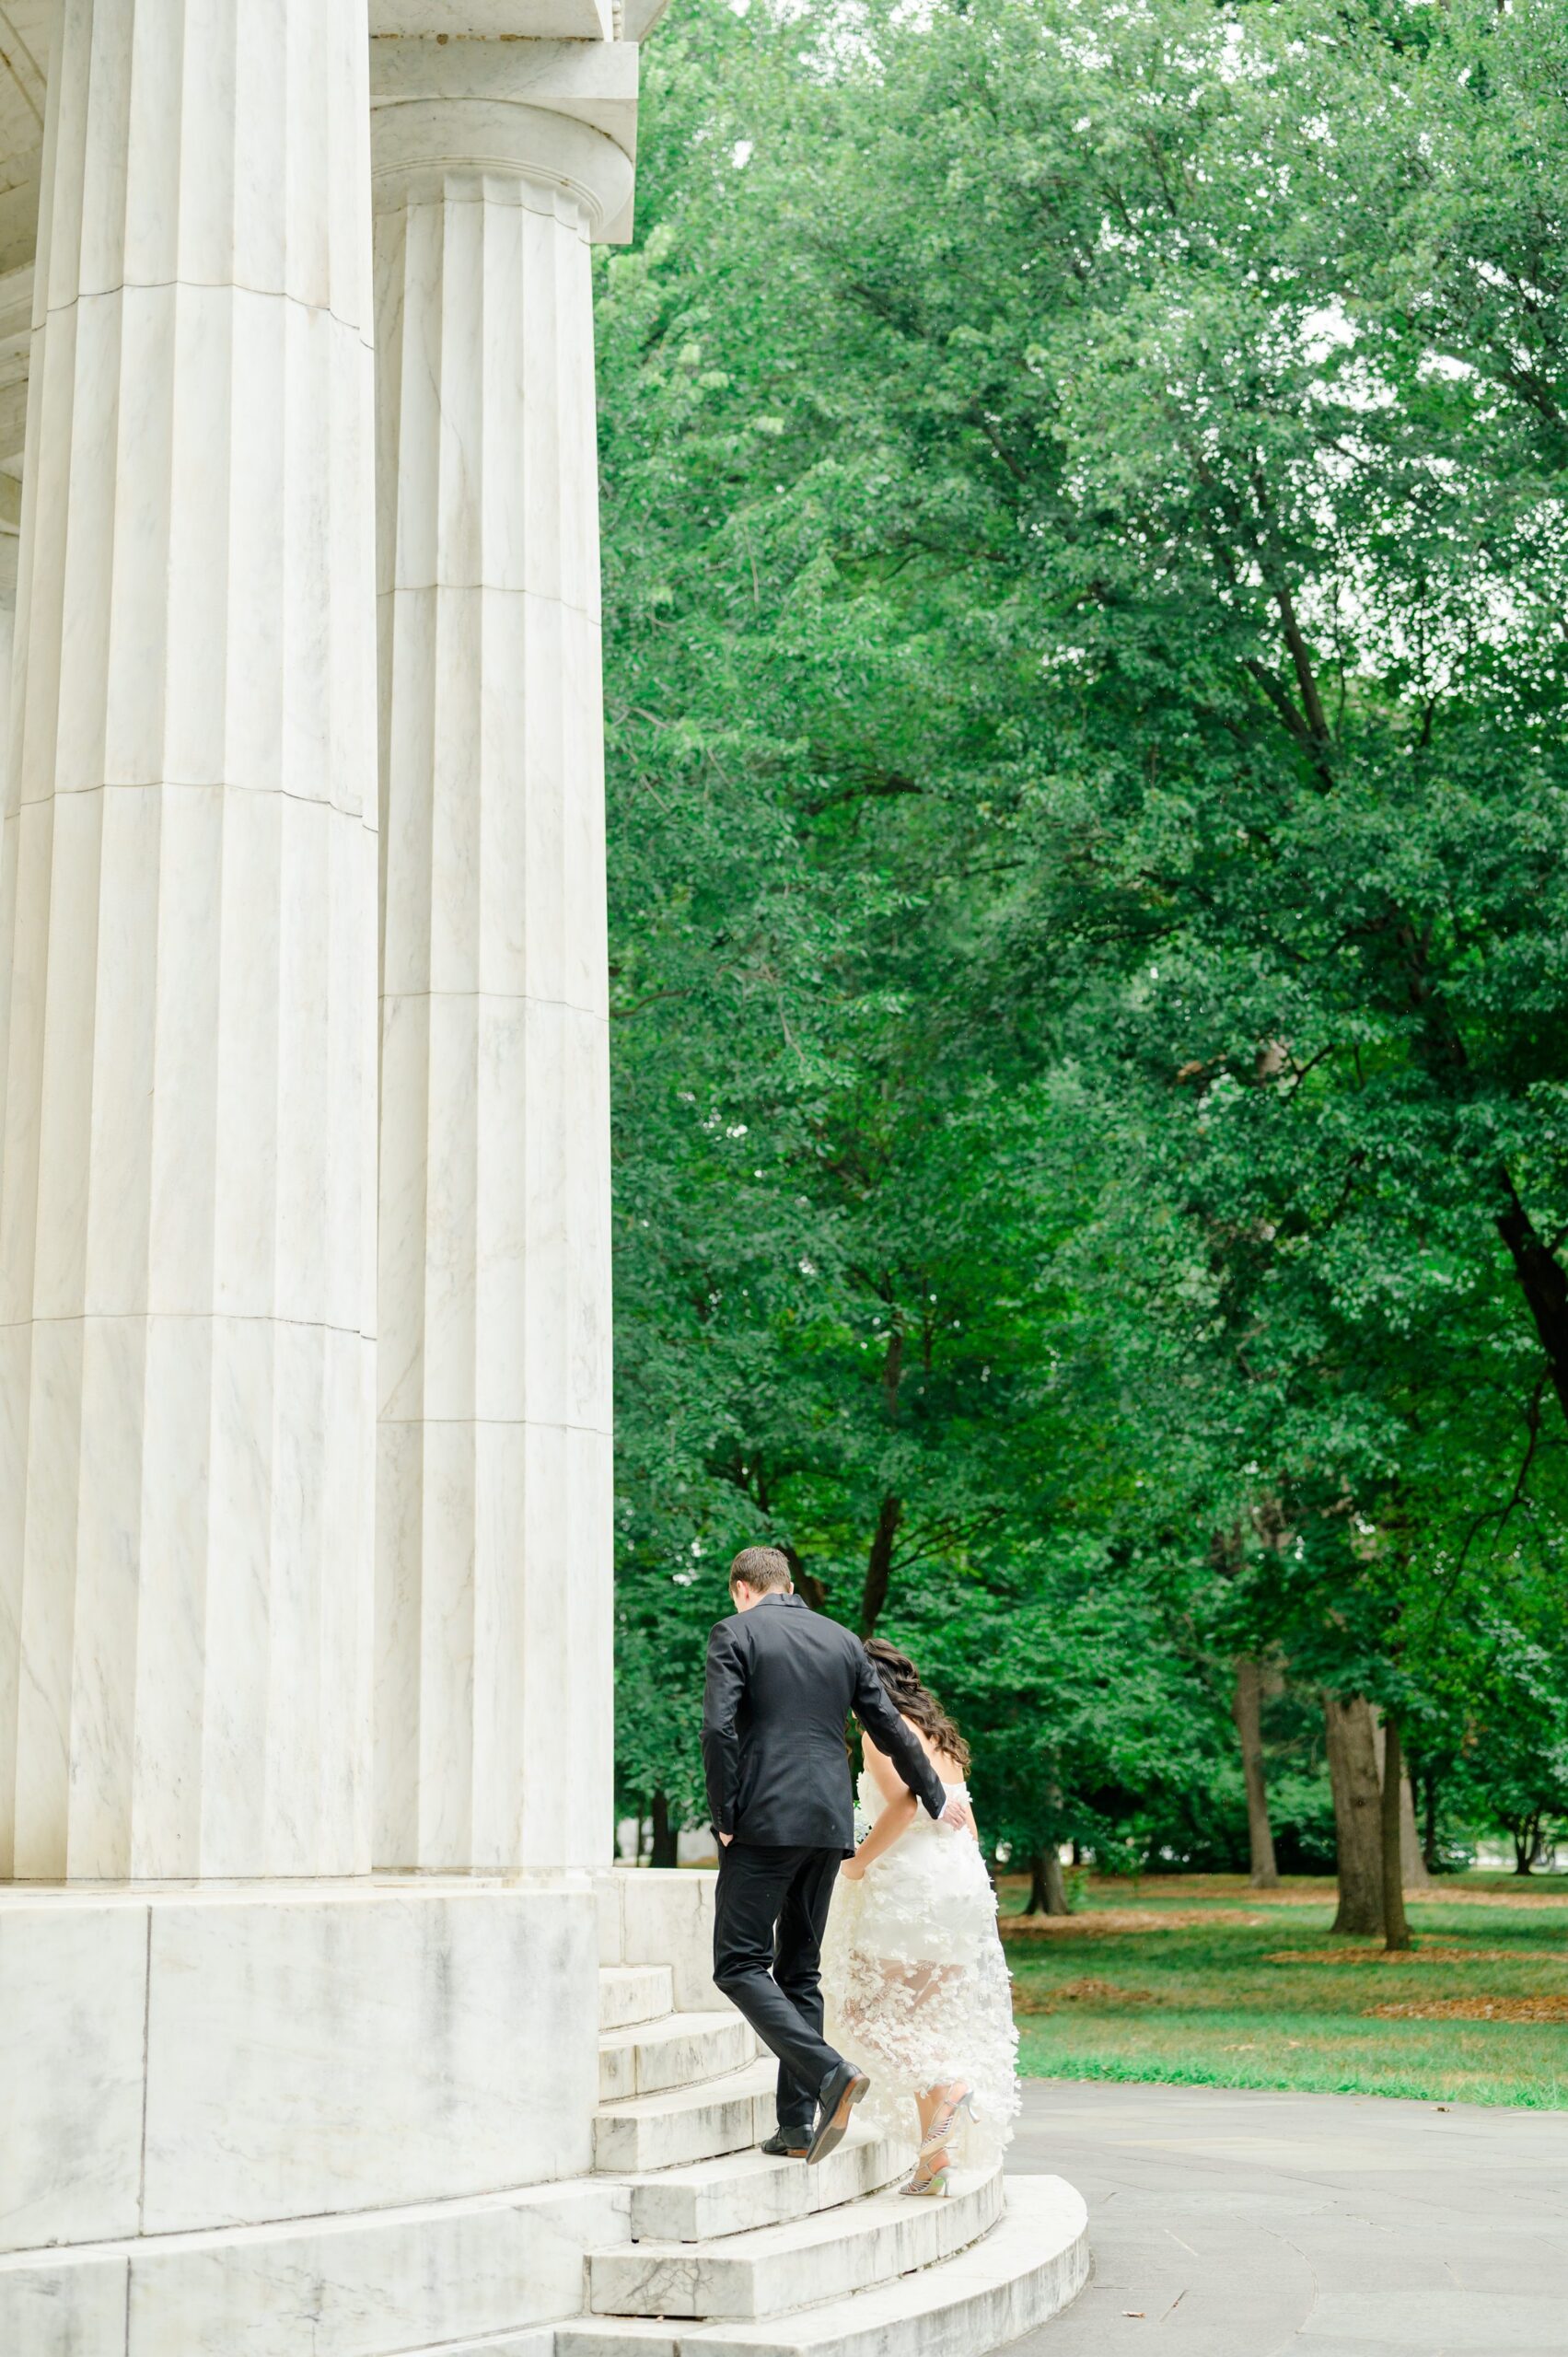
[[807, 1584], [1417, 1876], [1429, 1815], [1541, 1276], [666, 1837], [1414, 1866], [1542, 1282], [1245, 1709], [1352, 1772], [879, 1563], [1048, 1892], [1396, 1931]]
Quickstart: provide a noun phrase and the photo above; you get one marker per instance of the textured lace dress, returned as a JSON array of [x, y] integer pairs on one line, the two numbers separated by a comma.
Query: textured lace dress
[[916, 1986]]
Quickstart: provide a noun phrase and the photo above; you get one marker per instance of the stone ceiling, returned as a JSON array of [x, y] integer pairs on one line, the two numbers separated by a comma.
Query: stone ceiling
[[26, 29]]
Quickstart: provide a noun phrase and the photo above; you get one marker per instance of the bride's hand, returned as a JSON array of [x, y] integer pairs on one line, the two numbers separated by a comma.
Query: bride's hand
[[851, 1870]]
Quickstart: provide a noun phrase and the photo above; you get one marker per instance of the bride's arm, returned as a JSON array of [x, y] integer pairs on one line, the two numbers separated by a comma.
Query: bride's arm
[[898, 1812]]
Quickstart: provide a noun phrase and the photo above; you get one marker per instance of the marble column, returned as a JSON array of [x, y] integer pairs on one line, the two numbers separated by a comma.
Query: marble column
[[7, 650], [493, 1628], [187, 962]]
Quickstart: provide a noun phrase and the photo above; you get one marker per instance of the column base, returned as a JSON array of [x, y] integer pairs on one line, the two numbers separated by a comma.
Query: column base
[[355, 2117]]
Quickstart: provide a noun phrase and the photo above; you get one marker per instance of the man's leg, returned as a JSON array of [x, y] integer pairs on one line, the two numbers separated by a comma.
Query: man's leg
[[797, 1969], [754, 1885]]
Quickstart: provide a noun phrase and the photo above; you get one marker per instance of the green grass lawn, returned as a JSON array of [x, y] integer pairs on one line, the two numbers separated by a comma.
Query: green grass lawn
[[1196, 1979]]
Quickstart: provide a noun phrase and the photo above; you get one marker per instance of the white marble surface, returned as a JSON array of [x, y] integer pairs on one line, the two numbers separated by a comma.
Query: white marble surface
[[72, 2011], [570, 20], [676, 2053], [186, 1158], [55, 2305], [687, 2124], [180, 2060], [366, 2286], [439, 2276], [665, 1917], [1034, 2261], [493, 1635], [593, 81], [754, 2189], [311, 2056], [772, 2269], [630, 1993]]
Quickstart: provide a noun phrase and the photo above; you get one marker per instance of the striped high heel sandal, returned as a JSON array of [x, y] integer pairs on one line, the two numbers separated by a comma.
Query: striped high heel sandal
[[934, 2168]]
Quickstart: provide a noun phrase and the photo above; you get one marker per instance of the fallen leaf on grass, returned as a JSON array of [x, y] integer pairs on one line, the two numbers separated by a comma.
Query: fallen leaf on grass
[[1095, 1920], [1443, 1895], [1476, 2009], [1430, 1952], [1087, 1991]]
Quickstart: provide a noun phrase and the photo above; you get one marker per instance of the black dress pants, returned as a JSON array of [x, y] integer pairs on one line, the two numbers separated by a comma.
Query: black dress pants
[[768, 1922]]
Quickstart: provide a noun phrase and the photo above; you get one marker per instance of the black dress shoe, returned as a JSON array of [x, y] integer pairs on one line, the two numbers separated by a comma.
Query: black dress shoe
[[841, 2090], [787, 2148]]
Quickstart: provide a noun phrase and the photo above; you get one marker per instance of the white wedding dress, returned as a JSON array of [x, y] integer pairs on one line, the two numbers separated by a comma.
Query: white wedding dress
[[915, 1984]]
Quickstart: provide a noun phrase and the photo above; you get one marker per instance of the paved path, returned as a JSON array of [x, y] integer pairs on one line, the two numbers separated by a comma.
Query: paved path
[[1326, 2225]]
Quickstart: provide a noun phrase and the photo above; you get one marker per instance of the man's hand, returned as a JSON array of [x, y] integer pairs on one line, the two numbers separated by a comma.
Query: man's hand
[[726, 1839], [958, 1814]]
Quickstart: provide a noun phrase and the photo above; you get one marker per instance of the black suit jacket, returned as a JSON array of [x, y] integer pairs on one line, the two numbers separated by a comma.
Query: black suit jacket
[[781, 1681]]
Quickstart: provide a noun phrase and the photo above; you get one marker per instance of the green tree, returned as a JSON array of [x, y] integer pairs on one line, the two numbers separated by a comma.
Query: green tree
[[1083, 578]]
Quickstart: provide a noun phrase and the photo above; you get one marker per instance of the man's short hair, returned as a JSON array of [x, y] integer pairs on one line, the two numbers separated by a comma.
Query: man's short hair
[[761, 1568]]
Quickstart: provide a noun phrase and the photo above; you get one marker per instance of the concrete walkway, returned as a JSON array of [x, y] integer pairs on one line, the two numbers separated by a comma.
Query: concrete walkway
[[1239, 2225]]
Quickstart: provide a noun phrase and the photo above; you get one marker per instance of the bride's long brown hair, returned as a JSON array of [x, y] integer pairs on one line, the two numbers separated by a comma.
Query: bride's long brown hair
[[913, 1699]]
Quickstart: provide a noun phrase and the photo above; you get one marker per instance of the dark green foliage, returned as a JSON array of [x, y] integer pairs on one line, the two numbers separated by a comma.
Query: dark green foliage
[[1084, 578]]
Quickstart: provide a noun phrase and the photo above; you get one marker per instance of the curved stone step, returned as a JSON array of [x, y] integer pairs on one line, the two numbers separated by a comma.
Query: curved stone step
[[696, 2124], [1034, 2261], [680, 2052], [634, 1993], [770, 2269], [746, 2190]]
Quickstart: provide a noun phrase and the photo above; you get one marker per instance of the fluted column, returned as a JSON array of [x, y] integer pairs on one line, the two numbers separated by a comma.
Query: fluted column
[[493, 1671], [187, 965]]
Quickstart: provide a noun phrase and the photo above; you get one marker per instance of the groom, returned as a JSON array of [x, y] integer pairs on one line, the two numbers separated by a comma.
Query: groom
[[781, 1681]]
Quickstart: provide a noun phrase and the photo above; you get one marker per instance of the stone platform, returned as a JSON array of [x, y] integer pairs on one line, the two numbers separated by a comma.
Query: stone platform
[[231, 2112], [404, 2116]]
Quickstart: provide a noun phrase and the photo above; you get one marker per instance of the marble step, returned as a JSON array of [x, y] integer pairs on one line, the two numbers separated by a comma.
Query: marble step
[[680, 2052], [1033, 2262], [772, 2269], [664, 2132], [532, 2340], [633, 1992], [746, 2190]]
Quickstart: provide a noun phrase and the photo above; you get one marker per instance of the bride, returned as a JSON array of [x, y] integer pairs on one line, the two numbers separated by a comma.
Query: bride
[[915, 1981]]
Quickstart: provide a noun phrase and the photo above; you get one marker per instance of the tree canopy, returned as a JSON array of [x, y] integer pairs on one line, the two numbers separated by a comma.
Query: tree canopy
[[1084, 573]]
